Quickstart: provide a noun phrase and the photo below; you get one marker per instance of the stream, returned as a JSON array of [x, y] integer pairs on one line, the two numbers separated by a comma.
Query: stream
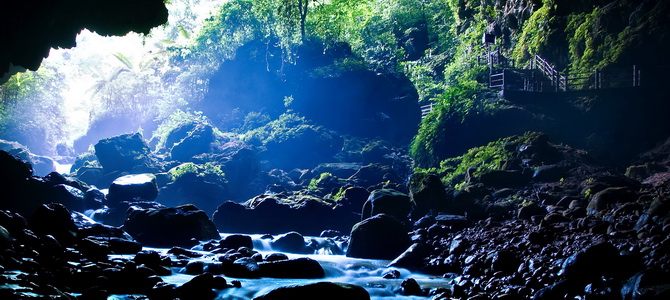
[[367, 273]]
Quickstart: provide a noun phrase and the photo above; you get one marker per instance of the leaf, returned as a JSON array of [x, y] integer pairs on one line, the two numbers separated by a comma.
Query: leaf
[[124, 60], [183, 32]]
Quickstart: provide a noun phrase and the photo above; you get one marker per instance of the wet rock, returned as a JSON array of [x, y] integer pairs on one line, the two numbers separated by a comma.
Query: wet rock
[[549, 173], [409, 287], [354, 198], [277, 214], [130, 188], [503, 261], [301, 268], [412, 257], [167, 227], [201, 287], [235, 241], [647, 285], [123, 152], [609, 197], [69, 196], [330, 290], [590, 263], [373, 174], [291, 242], [54, 219], [379, 237], [428, 193], [387, 201], [528, 211], [93, 198], [198, 140], [244, 267], [190, 188]]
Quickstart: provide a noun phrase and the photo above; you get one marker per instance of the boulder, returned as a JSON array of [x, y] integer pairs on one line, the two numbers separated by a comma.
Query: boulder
[[277, 214], [428, 193], [378, 237], [609, 197], [549, 173], [123, 152], [299, 268], [172, 226], [647, 285], [54, 219], [197, 141], [130, 188], [318, 290], [193, 189], [291, 242], [373, 174], [354, 198], [387, 201], [591, 263], [235, 241]]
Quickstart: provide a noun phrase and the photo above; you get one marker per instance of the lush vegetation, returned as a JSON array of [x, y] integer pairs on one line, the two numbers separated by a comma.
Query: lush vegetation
[[435, 43]]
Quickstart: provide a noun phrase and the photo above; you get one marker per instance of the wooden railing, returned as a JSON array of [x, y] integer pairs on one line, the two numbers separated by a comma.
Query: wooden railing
[[426, 109], [542, 76]]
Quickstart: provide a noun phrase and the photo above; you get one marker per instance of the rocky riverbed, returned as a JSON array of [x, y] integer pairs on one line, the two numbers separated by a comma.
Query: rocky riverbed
[[549, 224]]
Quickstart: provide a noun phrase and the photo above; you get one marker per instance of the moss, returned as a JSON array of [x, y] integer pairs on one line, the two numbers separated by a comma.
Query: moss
[[535, 33], [317, 182], [479, 160], [208, 171]]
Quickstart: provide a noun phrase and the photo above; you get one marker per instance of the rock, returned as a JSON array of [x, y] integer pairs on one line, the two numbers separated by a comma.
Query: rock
[[70, 197], [299, 268], [132, 188], [5, 239], [123, 152], [245, 267], [590, 263], [373, 174], [277, 214], [387, 201], [528, 211], [198, 140], [609, 197], [428, 193], [94, 198], [172, 226], [412, 258], [201, 287], [378, 237], [318, 290], [409, 287], [354, 198], [503, 261], [54, 219], [647, 285], [193, 189], [504, 178], [235, 241], [291, 242], [549, 173]]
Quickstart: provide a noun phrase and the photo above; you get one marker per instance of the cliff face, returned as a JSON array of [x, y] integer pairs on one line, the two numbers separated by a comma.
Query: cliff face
[[28, 29]]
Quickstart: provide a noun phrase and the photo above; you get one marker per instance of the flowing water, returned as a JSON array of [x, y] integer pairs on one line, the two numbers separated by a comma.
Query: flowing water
[[366, 273]]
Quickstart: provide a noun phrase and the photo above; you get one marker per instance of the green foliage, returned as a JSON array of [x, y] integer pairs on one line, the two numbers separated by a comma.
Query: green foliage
[[31, 104], [480, 159], [535, 33], [176, 119], [287, 126], [315, 183], [456, 104], [254, 120], [208, 171]]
